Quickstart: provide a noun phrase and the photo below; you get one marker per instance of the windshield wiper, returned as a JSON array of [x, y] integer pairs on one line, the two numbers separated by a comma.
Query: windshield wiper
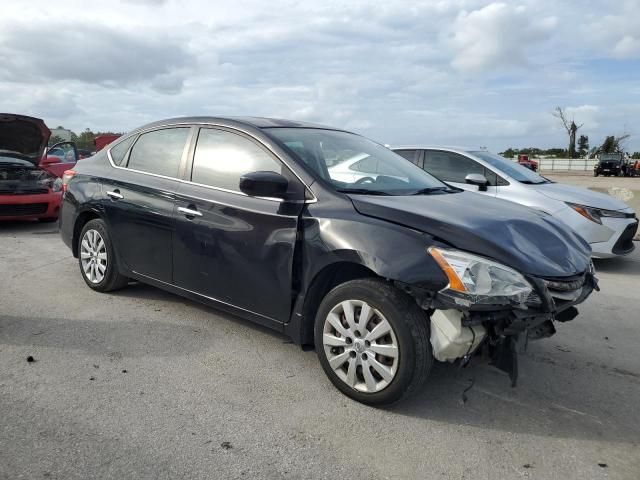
[[362, 191], [428, 190]]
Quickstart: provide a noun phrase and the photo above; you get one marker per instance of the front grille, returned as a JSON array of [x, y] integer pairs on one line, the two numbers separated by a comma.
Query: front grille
[[625, 242], [25, 191], [564, 285], [12, 210]]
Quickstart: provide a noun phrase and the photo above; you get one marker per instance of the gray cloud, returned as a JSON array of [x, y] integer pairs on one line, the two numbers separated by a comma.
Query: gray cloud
[[93, 54]]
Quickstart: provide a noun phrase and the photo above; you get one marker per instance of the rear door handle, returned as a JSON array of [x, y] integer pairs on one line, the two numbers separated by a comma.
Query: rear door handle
[[188, 212], [115, 195]]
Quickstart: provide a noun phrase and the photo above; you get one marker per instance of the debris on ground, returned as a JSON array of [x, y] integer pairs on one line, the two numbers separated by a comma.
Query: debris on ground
[[603, 465], [92, 378], [527, 465], [226, 445], [124, 370], [30, 359]]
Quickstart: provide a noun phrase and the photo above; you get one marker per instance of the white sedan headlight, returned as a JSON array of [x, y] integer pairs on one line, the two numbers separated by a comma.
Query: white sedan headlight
[[478, 280]]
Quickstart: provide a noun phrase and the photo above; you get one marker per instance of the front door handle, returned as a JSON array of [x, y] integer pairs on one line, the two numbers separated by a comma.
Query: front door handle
[[115, 195], [188, 212]]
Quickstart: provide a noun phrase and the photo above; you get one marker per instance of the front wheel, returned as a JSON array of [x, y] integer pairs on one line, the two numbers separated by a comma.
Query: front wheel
[[98, 264], [372, 341]]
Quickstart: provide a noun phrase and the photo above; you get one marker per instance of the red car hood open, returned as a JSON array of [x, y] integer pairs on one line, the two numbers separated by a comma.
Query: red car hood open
[[23, 137]]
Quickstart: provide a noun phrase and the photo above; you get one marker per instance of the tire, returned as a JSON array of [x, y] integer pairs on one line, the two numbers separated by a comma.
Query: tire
[[409, 333], [99, 248], [595, 174]]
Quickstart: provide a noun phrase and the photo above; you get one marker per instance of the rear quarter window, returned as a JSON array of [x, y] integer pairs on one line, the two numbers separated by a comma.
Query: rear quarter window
[[119, 151]]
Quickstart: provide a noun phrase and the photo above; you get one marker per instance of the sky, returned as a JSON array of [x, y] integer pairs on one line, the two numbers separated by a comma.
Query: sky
[[461, 72]]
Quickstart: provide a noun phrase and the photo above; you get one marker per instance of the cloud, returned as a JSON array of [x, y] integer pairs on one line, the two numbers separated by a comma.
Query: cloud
[[488, 72], [37, 53], [497, 35]]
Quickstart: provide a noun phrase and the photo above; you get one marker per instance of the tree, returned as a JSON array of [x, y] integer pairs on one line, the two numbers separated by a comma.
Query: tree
[[55, 139], [613, 144], [570, 127], [636, 155], [583, 145]]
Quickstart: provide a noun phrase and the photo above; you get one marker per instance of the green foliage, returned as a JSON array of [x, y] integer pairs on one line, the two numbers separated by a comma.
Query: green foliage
[[55, 139], [583, 145], [636, 155], [534, 152]]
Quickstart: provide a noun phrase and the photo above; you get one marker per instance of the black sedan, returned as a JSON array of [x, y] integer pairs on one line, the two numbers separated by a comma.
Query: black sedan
[[383, 272]]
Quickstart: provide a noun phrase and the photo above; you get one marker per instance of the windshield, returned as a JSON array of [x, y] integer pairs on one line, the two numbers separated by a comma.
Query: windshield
[[354, 164], [511, 169], [607, 157]]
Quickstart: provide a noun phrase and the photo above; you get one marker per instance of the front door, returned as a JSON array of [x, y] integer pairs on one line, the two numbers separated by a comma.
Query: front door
[[452, 168], [139, 200], [228, 246]]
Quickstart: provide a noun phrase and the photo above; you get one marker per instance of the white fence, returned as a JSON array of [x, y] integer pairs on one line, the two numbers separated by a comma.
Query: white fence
[[573, 164]]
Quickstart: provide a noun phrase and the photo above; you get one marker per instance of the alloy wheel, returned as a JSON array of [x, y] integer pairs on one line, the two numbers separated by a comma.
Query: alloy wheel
[[361, 346], [93, 256]]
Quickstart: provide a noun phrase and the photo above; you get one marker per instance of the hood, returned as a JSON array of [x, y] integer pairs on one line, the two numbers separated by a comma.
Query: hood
[[531, 242], [581, 196], [24, 138]]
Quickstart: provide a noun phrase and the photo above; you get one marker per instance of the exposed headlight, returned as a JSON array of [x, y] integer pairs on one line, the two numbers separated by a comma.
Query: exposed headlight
[[595, 214], [478, 280]]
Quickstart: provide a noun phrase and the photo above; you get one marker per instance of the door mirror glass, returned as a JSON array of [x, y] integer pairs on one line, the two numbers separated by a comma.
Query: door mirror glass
[[264, 184], [476, 179]]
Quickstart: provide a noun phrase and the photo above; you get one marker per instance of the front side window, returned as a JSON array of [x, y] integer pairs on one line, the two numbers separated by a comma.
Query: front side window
[[449, 166], [222, 157], [354, 164], [119, 151], [159, 152]]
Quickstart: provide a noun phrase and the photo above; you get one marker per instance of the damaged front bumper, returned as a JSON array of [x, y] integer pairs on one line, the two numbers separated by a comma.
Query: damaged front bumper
[[458, 331]]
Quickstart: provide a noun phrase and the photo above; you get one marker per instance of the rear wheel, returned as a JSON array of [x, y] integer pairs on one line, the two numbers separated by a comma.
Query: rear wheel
[[98, 264], [373, 341]]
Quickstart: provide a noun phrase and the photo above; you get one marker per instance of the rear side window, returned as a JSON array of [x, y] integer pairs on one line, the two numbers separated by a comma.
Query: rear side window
[[160, 151], [222, 157], [119, 151], [411, 155]]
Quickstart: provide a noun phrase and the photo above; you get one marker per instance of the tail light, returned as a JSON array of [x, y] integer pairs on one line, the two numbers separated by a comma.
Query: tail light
[[66, 178]]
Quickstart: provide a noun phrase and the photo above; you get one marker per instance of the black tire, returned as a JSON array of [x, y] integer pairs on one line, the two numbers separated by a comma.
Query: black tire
[[595, 174], [112, 279], [410, 325]]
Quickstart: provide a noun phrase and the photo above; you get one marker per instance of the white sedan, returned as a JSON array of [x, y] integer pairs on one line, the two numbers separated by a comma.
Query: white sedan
[[606, 223]]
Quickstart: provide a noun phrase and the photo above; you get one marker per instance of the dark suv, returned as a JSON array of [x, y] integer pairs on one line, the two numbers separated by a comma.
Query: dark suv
[[610, 164], [383, 273]]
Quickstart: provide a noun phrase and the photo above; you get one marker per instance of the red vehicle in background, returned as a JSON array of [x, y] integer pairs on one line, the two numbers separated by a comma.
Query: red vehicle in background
[[30, 174], [103, 140], [528, 163]]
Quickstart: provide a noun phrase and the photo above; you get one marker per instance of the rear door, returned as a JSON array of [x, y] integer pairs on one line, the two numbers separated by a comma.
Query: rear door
[[228, 246], [452, 168], [139, 199]]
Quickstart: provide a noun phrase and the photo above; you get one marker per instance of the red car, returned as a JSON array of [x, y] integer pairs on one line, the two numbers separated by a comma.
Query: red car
[[528, 163], [30, 180]]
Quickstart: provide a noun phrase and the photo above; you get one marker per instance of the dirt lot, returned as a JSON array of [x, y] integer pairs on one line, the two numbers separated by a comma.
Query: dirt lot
[[143, 384]]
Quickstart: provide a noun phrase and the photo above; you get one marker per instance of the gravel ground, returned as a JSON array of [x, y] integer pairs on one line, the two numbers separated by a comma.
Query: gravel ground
[[144, 384]]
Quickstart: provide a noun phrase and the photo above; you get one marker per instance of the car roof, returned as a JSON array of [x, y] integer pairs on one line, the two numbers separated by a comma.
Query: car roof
[[256, 122], [449, 148]]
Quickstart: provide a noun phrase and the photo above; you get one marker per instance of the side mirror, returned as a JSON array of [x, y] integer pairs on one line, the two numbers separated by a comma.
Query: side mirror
[[476, 179], [264, 184]]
